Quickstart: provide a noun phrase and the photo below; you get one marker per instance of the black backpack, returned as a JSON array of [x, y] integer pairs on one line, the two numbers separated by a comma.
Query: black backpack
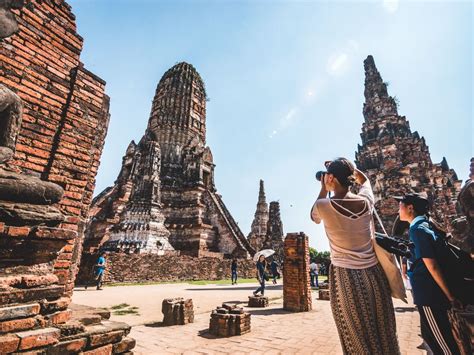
[[457, 266]]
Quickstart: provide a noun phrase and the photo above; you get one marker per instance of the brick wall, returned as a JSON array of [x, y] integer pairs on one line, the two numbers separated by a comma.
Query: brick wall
[[64, 117], [65, 114], [296, 281], [155, 268]]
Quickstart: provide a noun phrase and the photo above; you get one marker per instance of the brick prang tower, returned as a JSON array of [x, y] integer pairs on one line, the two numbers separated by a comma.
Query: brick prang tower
[[398, 160]]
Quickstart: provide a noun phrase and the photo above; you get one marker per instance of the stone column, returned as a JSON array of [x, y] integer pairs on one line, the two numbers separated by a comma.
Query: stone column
[[296, 282]]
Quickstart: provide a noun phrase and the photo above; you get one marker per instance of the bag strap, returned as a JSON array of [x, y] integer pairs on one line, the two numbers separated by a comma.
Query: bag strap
[[380, 221]]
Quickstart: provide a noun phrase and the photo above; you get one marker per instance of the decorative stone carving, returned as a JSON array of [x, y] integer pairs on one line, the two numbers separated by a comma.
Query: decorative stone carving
[[141, 227]]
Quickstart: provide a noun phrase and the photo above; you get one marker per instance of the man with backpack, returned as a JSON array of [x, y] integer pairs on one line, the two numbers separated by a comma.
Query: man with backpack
[[430, 290]]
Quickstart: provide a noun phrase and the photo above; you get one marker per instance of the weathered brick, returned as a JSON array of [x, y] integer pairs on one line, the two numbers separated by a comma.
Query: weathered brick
[[37, 338], [18, 231], [53, 233], [59, 317], [21, 311], [56, 305], [14, 325], [9, 343], [104, 350], [68, 347], [32, 294], [29, 281], [124, 345], [105, 338]]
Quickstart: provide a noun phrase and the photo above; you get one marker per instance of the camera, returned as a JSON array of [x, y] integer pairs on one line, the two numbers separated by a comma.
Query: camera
[[320, 175], [397, 246]]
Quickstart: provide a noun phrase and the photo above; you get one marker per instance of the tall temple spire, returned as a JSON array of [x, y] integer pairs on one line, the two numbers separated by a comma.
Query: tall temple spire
[[377, 101], [261, 194], [274, 237], [259, 225], [396, 159]]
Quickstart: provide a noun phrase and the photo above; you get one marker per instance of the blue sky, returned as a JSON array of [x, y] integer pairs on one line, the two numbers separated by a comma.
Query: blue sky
[[285, 81]]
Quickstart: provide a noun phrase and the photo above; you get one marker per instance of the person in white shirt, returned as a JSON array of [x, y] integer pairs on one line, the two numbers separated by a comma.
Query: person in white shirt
[[359, 290], [314, 272]]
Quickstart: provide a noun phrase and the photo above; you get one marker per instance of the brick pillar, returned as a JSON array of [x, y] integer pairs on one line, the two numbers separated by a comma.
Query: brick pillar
[[296, 282]]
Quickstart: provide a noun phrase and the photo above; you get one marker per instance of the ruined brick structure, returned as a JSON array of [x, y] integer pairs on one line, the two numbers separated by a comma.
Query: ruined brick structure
[[229, 320], [122, 267], [296, 279], [177, 311], [396, 159], [178, 186], [53, 121], [463, 227], [267, 229]]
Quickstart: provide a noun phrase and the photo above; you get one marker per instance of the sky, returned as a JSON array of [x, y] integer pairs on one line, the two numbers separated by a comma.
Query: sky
[[285, 81]]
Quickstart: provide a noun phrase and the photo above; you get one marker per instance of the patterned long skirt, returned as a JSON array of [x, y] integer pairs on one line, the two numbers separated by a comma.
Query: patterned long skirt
[[363, 310]]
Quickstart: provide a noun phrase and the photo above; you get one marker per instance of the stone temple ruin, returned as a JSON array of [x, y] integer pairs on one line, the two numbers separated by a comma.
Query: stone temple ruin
[[54, 116], [164, 200], [396, 159], [267, 229]]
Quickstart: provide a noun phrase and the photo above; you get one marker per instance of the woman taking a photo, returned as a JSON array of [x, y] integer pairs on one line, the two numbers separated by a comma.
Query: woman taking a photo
[[359, 291]]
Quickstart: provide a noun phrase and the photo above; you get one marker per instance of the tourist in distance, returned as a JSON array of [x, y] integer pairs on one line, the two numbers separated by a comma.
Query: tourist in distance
[[359, 290], [100, 269], [430, 291], [261, 275], [275, 272], [233, 269], [314, 273]]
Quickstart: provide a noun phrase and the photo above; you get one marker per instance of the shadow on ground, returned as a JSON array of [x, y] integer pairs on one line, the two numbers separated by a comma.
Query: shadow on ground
[[154, 325], [204, 333], [266, 311]]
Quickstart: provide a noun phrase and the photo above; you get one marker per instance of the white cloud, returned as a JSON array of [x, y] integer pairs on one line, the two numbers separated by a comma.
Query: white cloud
[[338, 64], [391, 6]]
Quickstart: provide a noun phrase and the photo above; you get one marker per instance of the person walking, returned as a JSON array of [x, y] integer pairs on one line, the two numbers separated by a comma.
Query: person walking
[[275, 272], [360, 294], [261, 275], [430, 291], [233, 268], [314, 273], [100, 269]]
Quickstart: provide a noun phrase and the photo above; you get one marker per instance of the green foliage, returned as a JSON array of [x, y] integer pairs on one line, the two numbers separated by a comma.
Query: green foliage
[[321, 257], [120, 306]]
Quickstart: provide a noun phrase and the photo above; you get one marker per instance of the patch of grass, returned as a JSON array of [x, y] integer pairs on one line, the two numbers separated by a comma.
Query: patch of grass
[[122, 312], [221, 282], [120, 306], [191, 282]]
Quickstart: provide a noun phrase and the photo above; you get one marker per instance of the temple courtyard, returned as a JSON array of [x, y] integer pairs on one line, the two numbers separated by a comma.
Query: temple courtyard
[[273, 331]]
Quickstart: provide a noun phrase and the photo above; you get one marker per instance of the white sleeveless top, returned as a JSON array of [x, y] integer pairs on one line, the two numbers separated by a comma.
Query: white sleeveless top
[[350, 239]]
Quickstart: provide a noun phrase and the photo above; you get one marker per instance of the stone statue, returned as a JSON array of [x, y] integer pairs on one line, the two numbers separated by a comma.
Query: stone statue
[[24, 199], [8, 25]]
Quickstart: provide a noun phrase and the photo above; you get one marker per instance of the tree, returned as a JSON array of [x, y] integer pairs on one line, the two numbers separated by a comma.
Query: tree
[[322, 257]]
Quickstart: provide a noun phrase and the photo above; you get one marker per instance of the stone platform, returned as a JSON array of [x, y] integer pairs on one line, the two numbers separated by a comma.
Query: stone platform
[[258, 301], [228, 321]]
